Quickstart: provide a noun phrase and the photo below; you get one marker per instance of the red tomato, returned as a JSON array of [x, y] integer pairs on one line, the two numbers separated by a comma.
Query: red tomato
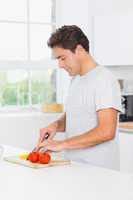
[[33, 157], [44, 158]]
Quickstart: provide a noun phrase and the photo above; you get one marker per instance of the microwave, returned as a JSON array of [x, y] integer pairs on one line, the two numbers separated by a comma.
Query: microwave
[[127, 104]]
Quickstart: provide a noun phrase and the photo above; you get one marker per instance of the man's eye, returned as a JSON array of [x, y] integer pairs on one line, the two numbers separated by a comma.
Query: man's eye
[[63, 58]]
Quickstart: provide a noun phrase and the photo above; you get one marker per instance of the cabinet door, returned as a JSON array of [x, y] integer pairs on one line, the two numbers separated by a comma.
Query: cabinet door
[[126, 152], [113, 40]]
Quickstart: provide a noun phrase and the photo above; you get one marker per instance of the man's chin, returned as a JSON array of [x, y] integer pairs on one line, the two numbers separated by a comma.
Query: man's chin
[[71, 73]]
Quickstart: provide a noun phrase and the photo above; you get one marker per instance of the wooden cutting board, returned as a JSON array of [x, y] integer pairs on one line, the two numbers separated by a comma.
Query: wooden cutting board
[[18, 160], [126, 125]]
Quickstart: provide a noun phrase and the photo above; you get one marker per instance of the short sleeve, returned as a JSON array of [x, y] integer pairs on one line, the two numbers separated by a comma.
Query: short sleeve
[[108, 94]]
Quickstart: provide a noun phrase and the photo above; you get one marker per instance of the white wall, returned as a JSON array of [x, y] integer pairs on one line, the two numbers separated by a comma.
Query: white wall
[[110, 7], [80, 13], [122, 72], [94, 7], [77, 12], [74, 13], [22, 130]]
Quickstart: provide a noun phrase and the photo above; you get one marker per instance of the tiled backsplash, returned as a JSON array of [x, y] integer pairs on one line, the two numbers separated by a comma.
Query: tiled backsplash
[[124, 74], [126, 86]]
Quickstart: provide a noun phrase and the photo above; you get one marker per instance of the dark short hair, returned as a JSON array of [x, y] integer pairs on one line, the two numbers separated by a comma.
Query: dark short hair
[[68, 37]]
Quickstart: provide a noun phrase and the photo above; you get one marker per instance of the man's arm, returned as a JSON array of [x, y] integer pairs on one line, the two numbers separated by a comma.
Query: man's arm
[[105, 131], [51, 129], [60, 124]]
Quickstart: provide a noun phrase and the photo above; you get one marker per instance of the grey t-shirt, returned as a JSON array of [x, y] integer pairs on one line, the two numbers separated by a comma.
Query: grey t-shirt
[[97, 89]]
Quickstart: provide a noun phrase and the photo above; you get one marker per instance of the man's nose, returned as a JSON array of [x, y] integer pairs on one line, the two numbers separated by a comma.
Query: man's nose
[[61, 64]]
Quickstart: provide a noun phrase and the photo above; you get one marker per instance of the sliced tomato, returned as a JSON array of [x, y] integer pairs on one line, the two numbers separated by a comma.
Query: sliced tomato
[[33, 157], [44, 158]]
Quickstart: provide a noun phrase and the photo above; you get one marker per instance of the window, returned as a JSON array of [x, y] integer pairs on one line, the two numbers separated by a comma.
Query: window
[[13, 41], [28, 77], [20, 87]]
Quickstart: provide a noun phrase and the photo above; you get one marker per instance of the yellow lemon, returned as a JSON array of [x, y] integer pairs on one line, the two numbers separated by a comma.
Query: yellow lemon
[[23, 156]]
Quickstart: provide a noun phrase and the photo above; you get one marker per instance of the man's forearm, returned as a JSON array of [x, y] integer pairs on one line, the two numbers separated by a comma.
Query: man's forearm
[[61, 123], [89, 139]]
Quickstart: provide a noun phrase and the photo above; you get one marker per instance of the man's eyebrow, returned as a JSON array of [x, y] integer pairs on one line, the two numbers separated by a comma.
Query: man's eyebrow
[[58, 57]]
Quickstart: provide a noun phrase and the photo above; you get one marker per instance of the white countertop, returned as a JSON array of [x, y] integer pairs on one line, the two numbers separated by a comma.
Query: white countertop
[[126, 130], [126, 127], [72, 182]]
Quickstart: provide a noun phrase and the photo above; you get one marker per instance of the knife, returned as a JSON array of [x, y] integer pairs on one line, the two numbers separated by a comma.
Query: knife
[[43, 148]]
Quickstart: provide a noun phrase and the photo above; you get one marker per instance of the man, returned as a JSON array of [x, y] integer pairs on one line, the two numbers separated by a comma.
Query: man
[[92, 107]]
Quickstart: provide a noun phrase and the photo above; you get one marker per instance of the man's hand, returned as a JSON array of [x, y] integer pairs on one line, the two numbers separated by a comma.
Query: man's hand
[[50, 130], [52, 145], [57, 126]]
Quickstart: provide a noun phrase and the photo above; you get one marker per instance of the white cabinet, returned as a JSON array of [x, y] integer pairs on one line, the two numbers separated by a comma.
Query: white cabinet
[[113, 40], [126, 152]]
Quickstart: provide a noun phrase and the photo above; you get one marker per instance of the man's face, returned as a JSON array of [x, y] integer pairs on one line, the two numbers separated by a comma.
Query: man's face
[[67, 60]]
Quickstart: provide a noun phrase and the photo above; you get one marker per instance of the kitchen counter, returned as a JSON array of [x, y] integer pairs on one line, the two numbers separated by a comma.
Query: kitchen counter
[[126, 127], [72, 182]]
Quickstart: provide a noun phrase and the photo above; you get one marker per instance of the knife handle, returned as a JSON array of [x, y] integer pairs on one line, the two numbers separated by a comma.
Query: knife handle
[[46, 135], [43, 149]]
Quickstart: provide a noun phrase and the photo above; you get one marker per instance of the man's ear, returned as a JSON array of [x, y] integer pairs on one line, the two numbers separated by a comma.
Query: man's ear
[[79, 49]]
